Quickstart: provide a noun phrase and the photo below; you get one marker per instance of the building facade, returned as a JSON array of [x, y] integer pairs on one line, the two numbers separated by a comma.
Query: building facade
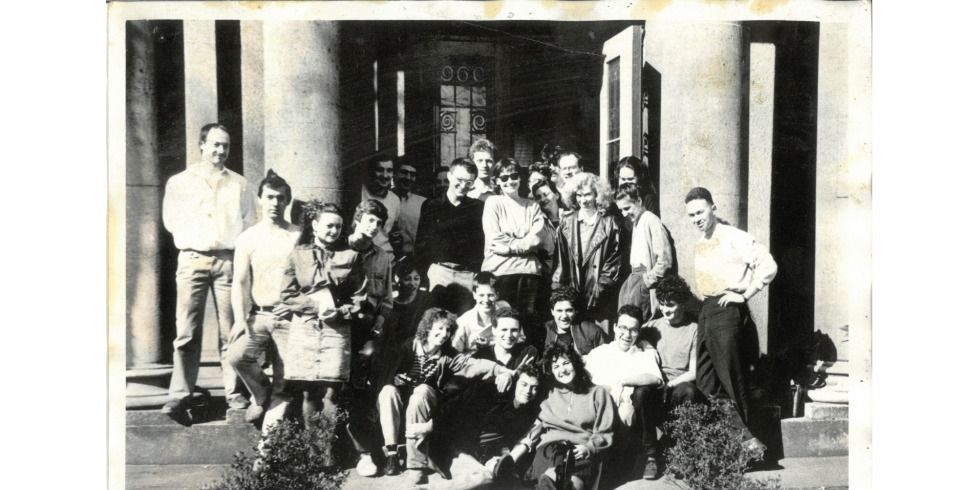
[[761, 112]]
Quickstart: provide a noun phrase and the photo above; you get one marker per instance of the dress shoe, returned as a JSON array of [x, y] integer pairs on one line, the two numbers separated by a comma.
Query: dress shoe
[[392, 465]]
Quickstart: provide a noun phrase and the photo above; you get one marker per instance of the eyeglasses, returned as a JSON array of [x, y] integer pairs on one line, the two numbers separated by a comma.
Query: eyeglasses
[[506, 177]]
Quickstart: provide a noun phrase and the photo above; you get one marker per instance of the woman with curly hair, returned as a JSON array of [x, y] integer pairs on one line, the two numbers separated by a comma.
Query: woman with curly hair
[[413, 383], [589, 257], [577, 415]]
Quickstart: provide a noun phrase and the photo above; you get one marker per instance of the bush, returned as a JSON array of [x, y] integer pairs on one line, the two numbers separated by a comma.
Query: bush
[[297, 458], [708, 451]]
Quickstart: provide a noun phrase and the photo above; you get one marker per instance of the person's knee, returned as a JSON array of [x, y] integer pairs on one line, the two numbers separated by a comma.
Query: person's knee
[[685, 392], [387, 392], [424, 391]]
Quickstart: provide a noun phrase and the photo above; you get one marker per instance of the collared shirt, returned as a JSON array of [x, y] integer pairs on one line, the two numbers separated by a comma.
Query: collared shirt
[[451, 233], [731, 260], [393, 205], [205, 210], [470, 329]]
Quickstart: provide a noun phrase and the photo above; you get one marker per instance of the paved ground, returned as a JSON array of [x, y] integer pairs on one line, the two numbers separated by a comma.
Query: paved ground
[[829, 473]]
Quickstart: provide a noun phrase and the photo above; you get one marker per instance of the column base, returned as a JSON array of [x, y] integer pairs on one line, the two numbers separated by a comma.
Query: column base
[[147, 385]]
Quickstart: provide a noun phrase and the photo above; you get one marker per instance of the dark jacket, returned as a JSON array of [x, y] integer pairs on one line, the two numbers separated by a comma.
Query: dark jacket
[[598, 274], [585, 334]]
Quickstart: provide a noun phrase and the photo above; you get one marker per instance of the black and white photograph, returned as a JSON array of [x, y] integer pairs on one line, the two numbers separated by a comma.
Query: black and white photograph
[[461, 245]]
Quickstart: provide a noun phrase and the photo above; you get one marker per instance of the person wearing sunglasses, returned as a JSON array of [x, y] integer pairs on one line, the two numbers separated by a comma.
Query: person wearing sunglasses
[[515, 234]]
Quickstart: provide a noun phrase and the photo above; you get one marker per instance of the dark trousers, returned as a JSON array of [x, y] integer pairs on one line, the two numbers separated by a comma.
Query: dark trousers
[[521, 292], [722, 364], [651, 406]]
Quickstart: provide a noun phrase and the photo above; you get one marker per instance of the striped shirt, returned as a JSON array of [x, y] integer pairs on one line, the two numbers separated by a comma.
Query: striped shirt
[[424, 366]]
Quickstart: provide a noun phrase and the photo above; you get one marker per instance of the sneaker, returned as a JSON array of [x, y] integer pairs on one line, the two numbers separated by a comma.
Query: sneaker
[[755, 448], [366, 466], [416, 477], [254, 413], [238, 402], [392, 465], [652, 469]]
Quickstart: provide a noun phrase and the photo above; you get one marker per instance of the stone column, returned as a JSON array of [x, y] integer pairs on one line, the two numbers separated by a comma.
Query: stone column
[[200, 82], [703, 74], [831, 294], [143, 201], [253, 103], [146, 377], [302, 106], [762, 86]]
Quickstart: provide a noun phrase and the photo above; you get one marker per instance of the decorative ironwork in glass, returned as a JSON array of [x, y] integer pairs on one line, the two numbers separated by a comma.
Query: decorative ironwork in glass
[[463, 101]]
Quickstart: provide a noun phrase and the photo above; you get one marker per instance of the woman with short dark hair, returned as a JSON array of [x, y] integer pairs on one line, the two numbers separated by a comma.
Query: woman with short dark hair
[[516, 232]]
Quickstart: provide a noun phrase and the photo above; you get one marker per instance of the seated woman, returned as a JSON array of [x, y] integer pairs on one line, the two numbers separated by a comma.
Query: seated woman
[[413, 384], [576, 413]]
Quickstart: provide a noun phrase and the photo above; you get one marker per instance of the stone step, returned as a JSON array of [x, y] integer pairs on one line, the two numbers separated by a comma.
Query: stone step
[[807, 437], [825, 411], [793, 474], [208, 443]]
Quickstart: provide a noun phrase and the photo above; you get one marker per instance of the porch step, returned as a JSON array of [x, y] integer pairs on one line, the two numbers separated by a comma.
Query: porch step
[[807, 437], [825, 411], [217, 434]]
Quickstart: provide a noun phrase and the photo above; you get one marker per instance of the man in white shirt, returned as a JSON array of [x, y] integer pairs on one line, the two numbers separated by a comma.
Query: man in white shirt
[[729, 268], [630, 372], [205, 207], [377, 184], [261, 258], [411, 204]]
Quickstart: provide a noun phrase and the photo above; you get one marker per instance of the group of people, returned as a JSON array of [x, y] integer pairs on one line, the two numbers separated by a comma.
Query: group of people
[[528, 319]]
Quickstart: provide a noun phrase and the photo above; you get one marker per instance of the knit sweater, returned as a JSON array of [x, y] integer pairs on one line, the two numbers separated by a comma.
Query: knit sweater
[[580, 418], [519, 225]]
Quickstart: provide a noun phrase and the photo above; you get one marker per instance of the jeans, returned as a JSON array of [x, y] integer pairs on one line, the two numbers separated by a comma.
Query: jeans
[[264, 330], [197, 274], [422, 402]]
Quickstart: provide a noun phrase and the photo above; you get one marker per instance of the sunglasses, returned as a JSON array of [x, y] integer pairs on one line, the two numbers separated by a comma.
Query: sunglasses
[[506, 177]]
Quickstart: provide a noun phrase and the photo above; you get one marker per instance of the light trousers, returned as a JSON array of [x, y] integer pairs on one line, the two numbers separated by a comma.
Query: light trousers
[[198, 274], [422, 401]]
